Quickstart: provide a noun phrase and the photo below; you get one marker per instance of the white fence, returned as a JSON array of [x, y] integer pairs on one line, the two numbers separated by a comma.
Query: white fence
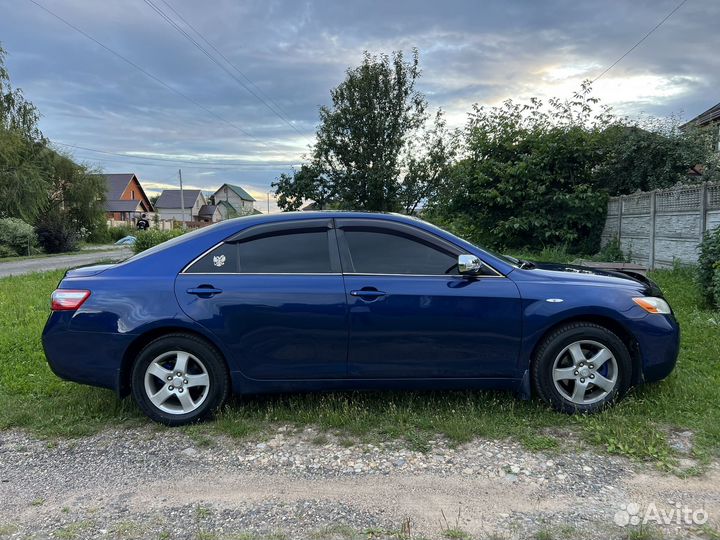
[[661, 227]]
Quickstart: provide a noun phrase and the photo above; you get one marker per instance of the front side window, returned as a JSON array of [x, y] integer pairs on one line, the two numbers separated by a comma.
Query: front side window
[[388, 252]]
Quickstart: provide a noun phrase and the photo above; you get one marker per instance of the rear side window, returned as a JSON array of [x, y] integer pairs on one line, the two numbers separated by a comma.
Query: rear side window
[[388, 252], [221, 260], [286, 252], [305, 252]]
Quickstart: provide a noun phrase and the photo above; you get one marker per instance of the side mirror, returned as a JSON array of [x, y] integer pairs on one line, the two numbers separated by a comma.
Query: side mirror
[[469, 264]]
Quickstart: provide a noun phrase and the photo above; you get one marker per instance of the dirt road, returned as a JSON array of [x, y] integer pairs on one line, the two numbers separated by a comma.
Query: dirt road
[[159, 483]]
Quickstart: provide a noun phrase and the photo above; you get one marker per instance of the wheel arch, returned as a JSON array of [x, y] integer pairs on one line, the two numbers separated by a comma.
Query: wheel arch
[[125, 372], [625, 335]]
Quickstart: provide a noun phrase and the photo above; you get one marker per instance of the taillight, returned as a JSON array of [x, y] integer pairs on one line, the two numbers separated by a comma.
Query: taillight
[[68, 299]]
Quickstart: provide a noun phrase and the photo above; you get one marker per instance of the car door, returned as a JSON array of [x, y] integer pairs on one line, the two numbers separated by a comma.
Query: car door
[[274, 296], [411, 314]]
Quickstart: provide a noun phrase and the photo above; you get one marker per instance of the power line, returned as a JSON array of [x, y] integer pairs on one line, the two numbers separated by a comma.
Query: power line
[[631, 49], [165, 160], [237, 69], [144, 72], [202, 49]]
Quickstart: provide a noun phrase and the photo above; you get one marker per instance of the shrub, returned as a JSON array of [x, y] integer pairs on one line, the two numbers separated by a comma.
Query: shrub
[[707, 265], [16, 238], [716, 284], [153, 237], [612, 252], [55, 233], [116, 233]]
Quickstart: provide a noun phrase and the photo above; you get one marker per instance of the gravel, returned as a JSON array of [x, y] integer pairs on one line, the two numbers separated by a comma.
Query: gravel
[[160, 483]]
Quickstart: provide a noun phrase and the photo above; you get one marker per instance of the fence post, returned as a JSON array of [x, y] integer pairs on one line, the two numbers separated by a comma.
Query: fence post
[[703, 210], [620, 211], [651, 254]]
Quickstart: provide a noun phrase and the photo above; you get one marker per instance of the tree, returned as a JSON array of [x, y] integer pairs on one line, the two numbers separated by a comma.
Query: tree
[[428, 165], [38, 184], [78, 192], [527, 176], [22, 152], [306, 183], [653, 154], [357, 157]]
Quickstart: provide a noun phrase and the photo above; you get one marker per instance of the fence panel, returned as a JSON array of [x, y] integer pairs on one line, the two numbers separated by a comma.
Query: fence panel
[[663, 227]]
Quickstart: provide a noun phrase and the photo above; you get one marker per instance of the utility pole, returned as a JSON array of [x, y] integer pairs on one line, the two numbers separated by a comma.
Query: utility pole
[[182, 198]]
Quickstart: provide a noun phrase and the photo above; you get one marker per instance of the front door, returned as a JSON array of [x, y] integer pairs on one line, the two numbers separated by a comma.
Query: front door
[[413, 316], [275, 297]]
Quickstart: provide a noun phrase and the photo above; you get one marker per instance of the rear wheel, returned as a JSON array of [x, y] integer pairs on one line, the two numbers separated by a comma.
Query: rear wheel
[[179, 379], [581, 367]]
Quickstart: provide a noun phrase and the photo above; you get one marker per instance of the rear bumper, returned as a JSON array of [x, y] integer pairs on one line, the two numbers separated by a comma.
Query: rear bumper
[[659, 340], [92, 358]]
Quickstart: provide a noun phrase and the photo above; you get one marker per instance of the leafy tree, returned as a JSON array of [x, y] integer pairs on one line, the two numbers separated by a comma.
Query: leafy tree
[[357, 159], [649, 155], [428, 166], [77, 191], [38, 184], [306, 183], [22, 152], [527, 175]]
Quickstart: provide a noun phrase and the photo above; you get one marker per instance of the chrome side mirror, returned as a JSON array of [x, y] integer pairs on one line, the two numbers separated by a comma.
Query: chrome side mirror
[[469, 264]]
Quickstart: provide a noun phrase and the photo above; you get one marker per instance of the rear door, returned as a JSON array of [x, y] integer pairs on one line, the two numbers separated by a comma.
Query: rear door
[[274, 296], [413, 316]]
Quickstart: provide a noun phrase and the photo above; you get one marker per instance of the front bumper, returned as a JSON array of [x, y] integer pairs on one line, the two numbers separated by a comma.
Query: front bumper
[[658, 337]]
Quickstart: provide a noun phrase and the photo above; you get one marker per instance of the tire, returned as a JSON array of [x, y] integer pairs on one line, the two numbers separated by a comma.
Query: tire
[[179, 379], [581, 368]]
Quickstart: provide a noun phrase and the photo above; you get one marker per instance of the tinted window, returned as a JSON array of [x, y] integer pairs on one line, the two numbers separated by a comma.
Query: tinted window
[[375, 252], [289, 252], [222, 259]]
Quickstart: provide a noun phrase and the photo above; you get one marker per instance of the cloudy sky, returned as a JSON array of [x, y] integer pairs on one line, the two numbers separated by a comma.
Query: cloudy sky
[[250, 120]]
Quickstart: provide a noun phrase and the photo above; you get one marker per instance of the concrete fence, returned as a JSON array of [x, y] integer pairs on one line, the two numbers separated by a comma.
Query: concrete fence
[[661, 227]]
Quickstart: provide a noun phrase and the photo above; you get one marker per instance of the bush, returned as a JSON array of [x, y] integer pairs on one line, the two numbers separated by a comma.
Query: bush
[[16, 238], [708, 262], [56, 234], [716, 284], [153, 237], [612, 252], [116, 233]]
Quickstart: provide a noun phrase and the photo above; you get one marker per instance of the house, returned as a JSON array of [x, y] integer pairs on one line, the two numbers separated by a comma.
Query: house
[[210, 213], [711, 117], [233, 201], [125, 198], [168, 205]]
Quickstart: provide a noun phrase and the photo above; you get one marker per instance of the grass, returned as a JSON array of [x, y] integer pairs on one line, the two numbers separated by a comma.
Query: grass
[[32, 397]]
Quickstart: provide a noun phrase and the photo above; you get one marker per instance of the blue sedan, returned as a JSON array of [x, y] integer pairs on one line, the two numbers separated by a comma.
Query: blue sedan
[[344, 300]]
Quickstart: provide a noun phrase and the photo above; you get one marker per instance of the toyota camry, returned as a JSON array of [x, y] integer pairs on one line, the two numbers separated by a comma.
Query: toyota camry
[[342, 301]]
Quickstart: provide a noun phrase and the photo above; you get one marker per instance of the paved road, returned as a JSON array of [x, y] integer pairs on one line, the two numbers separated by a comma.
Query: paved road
[[43, 264]]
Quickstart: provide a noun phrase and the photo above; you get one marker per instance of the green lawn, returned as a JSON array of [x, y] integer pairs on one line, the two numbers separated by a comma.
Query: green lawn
[[32, 397]]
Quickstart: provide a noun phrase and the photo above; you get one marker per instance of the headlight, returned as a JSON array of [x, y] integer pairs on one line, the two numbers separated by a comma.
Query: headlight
[[652, 304]]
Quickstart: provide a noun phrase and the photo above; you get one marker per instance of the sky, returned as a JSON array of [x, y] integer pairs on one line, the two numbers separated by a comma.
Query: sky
[[252, 117]]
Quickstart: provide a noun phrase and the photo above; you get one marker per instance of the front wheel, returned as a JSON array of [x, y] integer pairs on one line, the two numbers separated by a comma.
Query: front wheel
[[179, 379], [581, 367]]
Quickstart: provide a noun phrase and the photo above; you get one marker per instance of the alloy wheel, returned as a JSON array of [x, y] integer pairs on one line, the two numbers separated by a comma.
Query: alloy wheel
[[585, 372], [177, 382]]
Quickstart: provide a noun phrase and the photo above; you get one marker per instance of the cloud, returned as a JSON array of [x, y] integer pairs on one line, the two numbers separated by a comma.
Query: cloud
[[295, 52]]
